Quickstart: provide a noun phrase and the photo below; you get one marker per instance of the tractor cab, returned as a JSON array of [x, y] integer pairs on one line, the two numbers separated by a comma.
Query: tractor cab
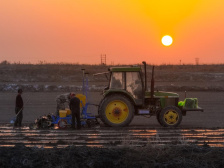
[[127, 81]]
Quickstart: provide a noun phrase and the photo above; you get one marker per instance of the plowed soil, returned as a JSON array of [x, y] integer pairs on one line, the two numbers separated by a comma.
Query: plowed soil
[[42, 103], [42, 83], [154, 156]]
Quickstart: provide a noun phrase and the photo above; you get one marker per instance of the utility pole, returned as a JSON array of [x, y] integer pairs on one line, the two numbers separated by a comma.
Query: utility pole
[[103, 59], [112, 62], [197, 61]]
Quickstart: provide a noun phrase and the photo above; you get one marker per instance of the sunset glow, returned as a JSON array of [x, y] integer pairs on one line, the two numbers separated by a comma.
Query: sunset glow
[[126, 31]]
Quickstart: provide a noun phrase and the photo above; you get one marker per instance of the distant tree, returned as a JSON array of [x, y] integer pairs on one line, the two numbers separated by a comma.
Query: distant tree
[[5, 62], [41, 62]]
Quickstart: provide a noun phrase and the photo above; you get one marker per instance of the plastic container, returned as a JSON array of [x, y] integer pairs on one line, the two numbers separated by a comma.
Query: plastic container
[[68, 111], [62, 113], [82, 99], [191, 103]]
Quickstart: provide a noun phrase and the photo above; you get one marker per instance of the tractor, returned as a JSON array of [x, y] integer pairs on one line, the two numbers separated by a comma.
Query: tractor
[[127, 95]]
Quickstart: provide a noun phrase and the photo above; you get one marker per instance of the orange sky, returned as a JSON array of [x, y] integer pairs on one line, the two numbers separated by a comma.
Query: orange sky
[[127, 31]]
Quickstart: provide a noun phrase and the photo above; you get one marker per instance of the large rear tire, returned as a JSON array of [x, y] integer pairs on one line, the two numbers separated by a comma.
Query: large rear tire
[[170, 116], [116, 111]]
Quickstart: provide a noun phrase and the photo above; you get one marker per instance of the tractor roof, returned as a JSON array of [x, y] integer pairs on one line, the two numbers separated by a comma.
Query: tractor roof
[[125, 69]]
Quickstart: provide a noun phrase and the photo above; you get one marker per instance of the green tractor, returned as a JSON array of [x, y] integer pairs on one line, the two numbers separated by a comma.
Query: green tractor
[[127, 95]]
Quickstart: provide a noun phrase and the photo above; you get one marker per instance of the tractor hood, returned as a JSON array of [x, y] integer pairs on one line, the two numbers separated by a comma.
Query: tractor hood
[[161, 94]]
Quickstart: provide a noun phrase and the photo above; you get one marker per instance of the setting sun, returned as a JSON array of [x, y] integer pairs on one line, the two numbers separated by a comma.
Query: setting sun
[[167, 40]]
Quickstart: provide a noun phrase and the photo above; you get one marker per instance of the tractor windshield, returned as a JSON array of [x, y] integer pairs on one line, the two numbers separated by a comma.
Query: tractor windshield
[[134, 84], [117, 80]]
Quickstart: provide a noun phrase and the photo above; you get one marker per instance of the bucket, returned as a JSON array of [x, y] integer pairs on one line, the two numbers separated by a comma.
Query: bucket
[[62, 113]]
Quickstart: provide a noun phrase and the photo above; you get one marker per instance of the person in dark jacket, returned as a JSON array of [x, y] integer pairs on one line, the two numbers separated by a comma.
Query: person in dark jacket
[[19, 108], [74, 106]]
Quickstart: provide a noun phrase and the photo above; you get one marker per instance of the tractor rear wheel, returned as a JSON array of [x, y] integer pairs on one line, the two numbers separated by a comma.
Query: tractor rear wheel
[[116, 110], [170, 116]]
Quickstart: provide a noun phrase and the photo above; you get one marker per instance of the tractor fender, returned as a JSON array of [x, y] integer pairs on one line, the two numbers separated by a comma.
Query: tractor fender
[[121, 92]]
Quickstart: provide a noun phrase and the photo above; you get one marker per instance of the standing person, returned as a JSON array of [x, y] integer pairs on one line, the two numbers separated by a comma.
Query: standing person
[[19, 108], [75, 108]]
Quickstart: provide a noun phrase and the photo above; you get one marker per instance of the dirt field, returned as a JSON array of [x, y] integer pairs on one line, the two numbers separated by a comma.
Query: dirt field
[[44, 103], [42, 83], [157, 156]]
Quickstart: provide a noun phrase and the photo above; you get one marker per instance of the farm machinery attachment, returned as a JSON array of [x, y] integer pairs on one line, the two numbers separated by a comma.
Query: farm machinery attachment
[[63, 119], [127, 95]]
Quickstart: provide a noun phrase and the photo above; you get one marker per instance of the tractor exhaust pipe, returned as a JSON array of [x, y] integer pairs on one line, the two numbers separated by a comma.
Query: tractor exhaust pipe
[[143, 93], [152, 83], [144, 63]]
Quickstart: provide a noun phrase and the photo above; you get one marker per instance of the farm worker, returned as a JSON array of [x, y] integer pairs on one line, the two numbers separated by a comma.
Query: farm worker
[[75, 109], [19, 108], [61, 100]]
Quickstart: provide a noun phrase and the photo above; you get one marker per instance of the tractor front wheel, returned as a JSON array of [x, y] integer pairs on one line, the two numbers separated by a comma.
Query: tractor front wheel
[[116, 111], [170, 116]]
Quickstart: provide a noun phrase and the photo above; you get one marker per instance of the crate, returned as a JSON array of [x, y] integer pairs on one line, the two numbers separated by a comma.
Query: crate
[[62, 113]]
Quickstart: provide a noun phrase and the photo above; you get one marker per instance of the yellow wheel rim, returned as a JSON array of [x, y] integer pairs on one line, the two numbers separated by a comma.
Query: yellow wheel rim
[[117, 111], [171, 117]]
